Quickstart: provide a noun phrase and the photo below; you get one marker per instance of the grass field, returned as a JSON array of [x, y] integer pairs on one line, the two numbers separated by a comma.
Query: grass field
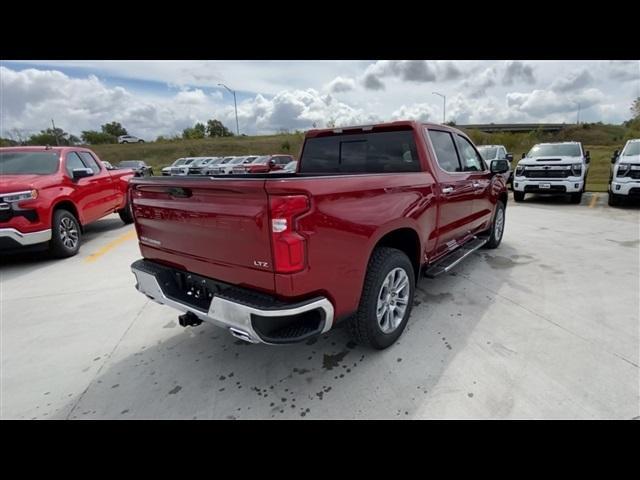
[[161, 154]]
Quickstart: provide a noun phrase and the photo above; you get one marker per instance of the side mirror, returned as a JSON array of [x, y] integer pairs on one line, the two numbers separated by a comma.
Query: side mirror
[[587, 156], [79, 173], [614, 157], [499, 166], [510, 157], [523, 155]]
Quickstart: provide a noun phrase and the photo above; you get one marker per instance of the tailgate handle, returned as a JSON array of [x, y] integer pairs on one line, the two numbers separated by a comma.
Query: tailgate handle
[[179, 192]]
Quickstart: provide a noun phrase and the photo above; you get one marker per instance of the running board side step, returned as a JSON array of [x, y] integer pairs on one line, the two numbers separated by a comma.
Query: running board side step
[[455, 257]]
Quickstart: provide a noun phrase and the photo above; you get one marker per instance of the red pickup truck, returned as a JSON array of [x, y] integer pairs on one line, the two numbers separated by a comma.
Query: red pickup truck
[[48, 194], [279, 258]]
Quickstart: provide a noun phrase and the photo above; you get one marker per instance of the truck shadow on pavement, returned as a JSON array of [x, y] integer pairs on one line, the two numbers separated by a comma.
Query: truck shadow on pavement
[[205, 373], [41, 257]]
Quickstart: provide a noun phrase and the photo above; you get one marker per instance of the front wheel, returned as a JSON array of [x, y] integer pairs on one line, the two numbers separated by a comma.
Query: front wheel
[[497, 227], [386, 301], [65, 234], [615, 200], [518, 196], [126, 213], [576, 198]]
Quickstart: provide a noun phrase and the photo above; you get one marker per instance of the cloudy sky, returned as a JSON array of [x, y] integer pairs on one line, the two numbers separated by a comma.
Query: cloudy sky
[[152, 98]]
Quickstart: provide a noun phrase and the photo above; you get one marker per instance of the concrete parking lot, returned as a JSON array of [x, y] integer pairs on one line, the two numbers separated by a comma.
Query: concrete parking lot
[[545, 327]]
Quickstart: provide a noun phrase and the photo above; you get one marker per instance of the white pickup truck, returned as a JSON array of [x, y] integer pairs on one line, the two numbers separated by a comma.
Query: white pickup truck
[[625, 173], [491, 153], [552, 168]]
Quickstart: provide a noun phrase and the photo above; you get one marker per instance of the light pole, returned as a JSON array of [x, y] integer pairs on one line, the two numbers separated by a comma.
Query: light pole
[[444, 106], [234, 104], [578, 119]]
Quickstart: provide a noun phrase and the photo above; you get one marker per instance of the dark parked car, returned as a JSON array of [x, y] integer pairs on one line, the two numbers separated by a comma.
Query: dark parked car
[[140, 168]]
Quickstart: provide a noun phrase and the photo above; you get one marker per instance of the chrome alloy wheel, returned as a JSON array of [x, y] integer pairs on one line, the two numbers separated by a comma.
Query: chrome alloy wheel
[[499, 226], [393, 299], [68, 233]]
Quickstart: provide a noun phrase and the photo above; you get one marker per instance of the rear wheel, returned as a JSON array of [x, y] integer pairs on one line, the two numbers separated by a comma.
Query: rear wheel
[[65, 234], [387, 299], [518, 196]]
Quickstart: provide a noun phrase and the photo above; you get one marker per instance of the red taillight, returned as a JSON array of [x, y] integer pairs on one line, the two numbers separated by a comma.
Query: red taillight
[[289, 247]]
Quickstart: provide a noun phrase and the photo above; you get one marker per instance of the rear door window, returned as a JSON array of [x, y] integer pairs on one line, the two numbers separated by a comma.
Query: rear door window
[[446, 153], [376, 152]]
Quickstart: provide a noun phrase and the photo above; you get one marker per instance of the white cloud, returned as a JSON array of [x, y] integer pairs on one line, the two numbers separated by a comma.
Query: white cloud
[[573, 81], [515, 70], [341, 84], [544, 102]]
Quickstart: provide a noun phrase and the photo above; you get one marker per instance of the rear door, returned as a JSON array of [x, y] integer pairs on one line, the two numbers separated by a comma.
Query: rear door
[[456, 191], [215, 227]]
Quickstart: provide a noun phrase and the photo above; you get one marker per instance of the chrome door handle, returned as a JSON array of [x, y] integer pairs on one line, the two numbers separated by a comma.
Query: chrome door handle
[[476, 185], [447, 190]]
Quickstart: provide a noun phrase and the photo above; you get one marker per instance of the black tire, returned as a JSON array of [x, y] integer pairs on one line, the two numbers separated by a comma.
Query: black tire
[[126, 213], [65, 234], [576, 198], [615, 200], [518, 196], [364, 326], [495, 235], [140, 141]]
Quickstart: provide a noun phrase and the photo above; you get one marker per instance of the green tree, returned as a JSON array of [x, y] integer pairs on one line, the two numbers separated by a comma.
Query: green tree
[[93, 137], [114, 129], [215, 128], [196, 132], [52, 136]]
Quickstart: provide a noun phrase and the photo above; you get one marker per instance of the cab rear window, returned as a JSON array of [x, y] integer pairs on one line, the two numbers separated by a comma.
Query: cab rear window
[[375, 152]]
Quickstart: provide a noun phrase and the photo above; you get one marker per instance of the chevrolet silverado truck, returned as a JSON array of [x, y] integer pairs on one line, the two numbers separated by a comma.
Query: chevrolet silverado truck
[[624, 181], [49, 194], [279, 258], [552, 168]]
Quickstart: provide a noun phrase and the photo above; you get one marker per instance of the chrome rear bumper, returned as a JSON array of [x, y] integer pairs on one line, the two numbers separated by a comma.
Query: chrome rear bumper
[[238, 317]]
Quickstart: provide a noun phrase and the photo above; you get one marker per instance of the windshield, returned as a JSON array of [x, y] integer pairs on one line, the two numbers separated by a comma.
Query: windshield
[[237, 160], [226, 160], [633, 148], [488, 153], [558, 149], [28, 163], [130, 163], [188, 161], [178, 162]]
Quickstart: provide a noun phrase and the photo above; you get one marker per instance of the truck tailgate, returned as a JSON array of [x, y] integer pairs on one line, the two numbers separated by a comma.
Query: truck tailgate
[[214, 227]]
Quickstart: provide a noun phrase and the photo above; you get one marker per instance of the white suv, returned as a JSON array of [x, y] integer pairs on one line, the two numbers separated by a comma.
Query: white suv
[[552, 168], [625, 173], [129, 139]]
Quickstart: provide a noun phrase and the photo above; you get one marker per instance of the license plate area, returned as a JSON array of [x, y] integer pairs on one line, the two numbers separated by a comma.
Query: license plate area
[[544, 186]]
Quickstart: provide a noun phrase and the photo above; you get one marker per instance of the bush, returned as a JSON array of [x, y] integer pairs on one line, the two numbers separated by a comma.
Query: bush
[[286, 146], [97, 138]]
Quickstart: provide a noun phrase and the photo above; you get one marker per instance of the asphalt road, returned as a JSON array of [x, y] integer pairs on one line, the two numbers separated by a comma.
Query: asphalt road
[[545, 327]]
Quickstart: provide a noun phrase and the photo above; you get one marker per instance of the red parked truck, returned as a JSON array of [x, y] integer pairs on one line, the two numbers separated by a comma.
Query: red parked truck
[[280, 258], [48, 194], [264, 164]]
